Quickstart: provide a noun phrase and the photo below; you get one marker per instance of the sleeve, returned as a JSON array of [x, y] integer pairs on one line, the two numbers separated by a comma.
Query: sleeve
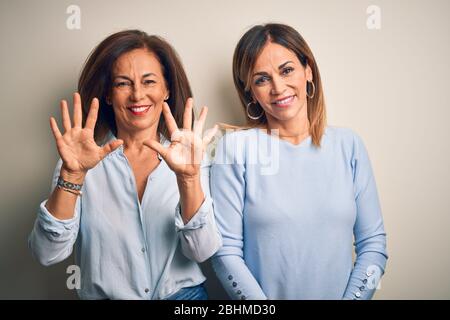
[[228, 192], [200, 237], [51, 240], [369, 234]]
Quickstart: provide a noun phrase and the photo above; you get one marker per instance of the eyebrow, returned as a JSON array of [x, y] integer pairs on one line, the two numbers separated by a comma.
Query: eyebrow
[[281, 66], [127, 78]]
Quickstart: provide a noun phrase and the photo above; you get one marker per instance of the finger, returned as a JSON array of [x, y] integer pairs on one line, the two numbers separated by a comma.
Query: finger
[[65, 116], [158, 147], [170, 121], [77, 113], [198, 125], [92, 115], [110, 147], [187, 116], [176, 136], [54, 126], [209, 135]]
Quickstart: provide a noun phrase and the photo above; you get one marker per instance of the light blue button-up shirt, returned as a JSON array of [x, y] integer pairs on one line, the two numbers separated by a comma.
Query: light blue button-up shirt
[[288, 217], [126, 249]]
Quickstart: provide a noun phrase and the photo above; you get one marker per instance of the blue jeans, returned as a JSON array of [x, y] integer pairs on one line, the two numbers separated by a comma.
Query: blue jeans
[[190, 293]]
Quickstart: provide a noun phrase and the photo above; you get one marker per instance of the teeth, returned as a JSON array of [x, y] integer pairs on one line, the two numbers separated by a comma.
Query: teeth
[[284, 101], [140, 109]]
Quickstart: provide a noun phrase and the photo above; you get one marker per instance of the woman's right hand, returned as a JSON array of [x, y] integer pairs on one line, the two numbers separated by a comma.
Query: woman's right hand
[[77, 147]]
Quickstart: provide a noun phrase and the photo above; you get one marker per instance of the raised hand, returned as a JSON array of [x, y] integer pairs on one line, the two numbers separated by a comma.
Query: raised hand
[[77, 147], [185, 152]]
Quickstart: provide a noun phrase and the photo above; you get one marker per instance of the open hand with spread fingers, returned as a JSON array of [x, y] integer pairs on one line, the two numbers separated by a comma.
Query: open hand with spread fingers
[[77, 147], [187, 146]]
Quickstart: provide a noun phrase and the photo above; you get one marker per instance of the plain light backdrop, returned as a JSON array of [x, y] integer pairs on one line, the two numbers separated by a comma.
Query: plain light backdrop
[[390, 85]]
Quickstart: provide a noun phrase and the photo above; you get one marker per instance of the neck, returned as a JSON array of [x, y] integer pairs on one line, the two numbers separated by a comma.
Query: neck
[[294, 130], [133, 142]]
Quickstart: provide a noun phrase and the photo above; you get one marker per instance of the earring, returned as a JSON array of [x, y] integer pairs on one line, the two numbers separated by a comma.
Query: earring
[[313, 89], [248, 113]]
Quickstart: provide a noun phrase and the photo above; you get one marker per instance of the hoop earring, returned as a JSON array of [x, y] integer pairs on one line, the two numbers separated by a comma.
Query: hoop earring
[[313, 90], [248, 113]]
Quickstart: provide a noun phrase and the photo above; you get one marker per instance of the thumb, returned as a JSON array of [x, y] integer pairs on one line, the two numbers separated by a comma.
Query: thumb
[[155, 145], [110, 147]]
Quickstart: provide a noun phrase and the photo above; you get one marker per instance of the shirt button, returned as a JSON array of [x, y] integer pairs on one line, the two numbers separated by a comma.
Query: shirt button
[[239, 292], [358, 294], [234, 284], [361, 288], [243, 298], [230, 277], [146, 290], [369, 273], [143, 249], [365, 281]]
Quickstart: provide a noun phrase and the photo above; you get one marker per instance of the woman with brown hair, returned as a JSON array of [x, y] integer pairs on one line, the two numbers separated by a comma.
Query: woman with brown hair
[[131, 191], [290, 193]]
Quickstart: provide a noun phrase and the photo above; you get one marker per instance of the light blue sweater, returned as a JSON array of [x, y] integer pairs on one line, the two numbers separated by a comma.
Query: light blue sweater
[[288, 220]]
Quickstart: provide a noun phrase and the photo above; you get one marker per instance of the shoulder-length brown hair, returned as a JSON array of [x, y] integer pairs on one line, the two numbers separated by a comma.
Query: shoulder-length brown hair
[[96, 78], [247, 51]]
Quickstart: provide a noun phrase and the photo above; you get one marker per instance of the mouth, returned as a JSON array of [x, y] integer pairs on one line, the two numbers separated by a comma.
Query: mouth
[[139, 110], [283, 102]]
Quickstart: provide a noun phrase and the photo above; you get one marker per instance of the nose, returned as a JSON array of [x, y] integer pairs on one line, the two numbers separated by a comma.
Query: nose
[[137, 93], [278, 86]]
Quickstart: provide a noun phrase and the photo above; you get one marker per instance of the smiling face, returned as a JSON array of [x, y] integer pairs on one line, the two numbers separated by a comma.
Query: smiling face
[[138, 91], [278, 84]]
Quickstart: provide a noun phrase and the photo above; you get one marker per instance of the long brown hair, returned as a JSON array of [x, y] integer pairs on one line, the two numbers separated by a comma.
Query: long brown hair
[[245, 55], [96, 78]]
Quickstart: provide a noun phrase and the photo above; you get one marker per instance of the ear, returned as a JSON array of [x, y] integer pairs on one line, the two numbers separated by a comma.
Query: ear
[[108, 100], [308, 73]]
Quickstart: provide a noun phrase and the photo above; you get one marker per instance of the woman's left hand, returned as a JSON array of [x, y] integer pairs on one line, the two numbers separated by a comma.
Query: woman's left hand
[[185, 152]]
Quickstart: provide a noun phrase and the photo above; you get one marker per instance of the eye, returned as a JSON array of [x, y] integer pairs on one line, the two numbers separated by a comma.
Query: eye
[[149, 82], [261, 80], [121, 84], [287, 70]]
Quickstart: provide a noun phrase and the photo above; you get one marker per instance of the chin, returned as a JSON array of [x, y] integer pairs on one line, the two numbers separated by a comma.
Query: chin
[[143, 124], [286, 115]]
